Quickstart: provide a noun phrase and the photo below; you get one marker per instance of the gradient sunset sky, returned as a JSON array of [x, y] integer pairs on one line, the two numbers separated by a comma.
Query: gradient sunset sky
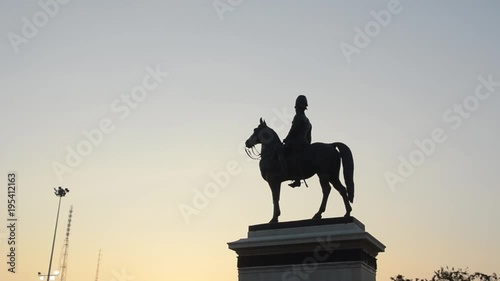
[[420, 75]]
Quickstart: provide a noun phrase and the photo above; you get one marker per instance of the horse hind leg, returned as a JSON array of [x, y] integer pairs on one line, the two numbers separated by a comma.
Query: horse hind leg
[[343, 192], [326, 188]]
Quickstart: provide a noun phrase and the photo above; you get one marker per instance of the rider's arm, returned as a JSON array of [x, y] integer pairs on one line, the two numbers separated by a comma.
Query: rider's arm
[[295, 129]]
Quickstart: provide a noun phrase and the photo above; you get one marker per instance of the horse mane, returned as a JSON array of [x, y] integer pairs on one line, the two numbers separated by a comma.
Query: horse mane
[[275, 135]]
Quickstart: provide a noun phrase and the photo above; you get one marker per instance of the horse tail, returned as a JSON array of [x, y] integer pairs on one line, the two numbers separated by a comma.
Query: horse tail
[[348, 167]]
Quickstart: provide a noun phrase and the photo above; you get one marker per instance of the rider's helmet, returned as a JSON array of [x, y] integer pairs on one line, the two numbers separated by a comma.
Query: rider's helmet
[[301, 102]]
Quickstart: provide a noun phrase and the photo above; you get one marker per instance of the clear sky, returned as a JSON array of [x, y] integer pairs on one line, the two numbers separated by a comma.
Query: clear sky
[[409, 91]]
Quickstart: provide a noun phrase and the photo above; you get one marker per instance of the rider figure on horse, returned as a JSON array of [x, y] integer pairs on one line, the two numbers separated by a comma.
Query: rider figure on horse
[[298, 138]]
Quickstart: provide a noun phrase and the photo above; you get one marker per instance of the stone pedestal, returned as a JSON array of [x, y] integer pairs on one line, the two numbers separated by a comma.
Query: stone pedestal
[[317, 250]]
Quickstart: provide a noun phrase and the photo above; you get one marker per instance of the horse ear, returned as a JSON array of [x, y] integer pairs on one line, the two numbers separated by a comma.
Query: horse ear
[[261, 121]]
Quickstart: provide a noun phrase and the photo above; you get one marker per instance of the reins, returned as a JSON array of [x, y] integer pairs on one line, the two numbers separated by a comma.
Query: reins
[[253, 153]]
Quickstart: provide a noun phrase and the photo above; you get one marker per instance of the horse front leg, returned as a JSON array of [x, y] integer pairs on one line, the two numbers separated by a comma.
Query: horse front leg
[[275, 189], [326, 188]]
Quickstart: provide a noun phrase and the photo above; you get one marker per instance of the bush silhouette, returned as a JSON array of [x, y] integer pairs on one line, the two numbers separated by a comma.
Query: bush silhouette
[[447, 274]]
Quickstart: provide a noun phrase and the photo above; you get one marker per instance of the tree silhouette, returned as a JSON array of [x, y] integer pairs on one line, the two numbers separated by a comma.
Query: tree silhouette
[[452, 275]]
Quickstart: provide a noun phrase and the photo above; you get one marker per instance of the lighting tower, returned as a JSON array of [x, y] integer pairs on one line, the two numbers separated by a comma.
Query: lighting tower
[[60, 192], [63, 265]]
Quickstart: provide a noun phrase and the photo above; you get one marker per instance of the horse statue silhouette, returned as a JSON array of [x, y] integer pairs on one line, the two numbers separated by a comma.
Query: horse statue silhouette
[[321, 159]]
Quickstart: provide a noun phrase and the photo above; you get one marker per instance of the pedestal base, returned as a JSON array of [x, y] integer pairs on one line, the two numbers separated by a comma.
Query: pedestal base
[[328, 249]]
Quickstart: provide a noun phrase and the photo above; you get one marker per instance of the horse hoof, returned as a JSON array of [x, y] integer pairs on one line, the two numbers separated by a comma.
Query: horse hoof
[[347, 215], [273, 220], [317, 217]]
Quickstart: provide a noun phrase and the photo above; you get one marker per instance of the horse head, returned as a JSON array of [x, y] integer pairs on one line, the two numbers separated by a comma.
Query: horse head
[[263, 135]]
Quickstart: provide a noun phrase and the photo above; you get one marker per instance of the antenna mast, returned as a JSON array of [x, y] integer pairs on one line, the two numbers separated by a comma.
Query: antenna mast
[[64, 265], [98, 262]]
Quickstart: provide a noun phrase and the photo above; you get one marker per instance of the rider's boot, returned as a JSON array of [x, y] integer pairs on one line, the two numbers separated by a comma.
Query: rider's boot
[[284, 168]]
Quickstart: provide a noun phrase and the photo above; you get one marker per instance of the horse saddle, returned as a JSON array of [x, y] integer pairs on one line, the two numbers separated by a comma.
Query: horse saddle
[[295, 159]]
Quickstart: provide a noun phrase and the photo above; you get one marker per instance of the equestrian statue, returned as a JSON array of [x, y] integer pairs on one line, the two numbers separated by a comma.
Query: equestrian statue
[[297, 159]]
